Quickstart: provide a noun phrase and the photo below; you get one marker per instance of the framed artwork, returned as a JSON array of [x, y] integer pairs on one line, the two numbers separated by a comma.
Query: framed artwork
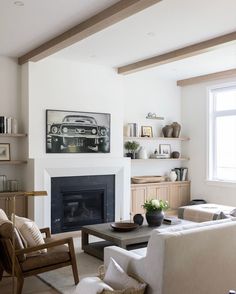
[[146, 131], [165, 149], [5, 152], [77, 132]]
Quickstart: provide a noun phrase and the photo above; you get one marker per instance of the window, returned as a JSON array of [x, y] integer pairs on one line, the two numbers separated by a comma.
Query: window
[[222, 134]]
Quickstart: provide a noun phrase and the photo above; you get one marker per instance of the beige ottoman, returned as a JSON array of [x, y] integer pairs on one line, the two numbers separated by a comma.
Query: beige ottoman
[[206, 212]]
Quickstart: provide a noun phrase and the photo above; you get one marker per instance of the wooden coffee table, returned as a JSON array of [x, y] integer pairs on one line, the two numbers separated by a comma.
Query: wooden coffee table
[[127, 240]]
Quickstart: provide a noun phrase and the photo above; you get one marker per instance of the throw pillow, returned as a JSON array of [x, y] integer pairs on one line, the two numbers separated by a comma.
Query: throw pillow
[[117, 278], [3, 215], [233, 212], [30, 232], [92, 285]]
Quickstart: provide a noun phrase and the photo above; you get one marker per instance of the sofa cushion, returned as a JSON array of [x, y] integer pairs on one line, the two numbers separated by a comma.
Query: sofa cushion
[[30, 232], [53, 256], [6, 232]]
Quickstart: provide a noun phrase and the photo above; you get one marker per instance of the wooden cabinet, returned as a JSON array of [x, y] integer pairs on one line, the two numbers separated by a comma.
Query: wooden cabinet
[[176, 193]]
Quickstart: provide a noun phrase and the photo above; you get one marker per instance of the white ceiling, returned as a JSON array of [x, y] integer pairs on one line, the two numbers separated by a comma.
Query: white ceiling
[[166, 26]]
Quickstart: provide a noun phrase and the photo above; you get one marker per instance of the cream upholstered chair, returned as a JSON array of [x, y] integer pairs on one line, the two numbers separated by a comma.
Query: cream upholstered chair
[[58, 255]]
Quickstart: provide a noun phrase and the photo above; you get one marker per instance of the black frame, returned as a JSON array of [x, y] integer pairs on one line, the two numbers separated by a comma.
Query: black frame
[[104, 147]]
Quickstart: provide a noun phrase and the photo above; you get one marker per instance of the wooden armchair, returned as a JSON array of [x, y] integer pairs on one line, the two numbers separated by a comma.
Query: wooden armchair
[[58, 255]]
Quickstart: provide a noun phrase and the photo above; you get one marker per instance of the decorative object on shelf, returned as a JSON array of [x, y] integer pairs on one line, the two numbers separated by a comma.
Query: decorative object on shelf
[[3, 181], [146, 131], [167, 131], [142, 153], [138, 219], [77, 132], [153, 115], [4, 151], [131, 147], [176, 129], [154, 211], [165, 149], [173, 176], [175, 154], [147, 179]]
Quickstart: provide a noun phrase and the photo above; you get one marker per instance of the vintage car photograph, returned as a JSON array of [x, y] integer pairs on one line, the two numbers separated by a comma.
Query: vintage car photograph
[[77, 132]]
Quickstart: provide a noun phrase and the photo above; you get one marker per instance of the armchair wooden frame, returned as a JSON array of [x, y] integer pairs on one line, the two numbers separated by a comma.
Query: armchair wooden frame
[[20, 275]]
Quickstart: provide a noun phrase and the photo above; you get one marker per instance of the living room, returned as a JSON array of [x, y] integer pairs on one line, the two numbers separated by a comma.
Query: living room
[[83, 77]]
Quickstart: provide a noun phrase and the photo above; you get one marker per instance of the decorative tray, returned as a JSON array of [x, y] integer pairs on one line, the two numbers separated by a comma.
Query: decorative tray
[[147, 179], [124, 227]]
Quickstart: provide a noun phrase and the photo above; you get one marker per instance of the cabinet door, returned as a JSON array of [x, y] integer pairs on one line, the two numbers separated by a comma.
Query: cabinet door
[[160, 192], [138, 197], [179, 195]]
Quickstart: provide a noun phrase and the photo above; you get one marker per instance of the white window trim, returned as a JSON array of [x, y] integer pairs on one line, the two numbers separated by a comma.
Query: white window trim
[[210, 180]]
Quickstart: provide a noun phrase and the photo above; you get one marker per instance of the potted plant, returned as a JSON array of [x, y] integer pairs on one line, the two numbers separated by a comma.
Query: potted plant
[[131, 147], [154, 211]]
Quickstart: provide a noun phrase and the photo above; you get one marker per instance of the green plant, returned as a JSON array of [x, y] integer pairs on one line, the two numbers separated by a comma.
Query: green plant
[[155, 205], [131, 146]]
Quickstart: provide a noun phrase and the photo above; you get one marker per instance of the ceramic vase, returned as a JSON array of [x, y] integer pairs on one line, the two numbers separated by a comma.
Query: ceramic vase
[[155, 218], [167, 131], [173, 176], [138, 219], [142, 154], [176, 130]]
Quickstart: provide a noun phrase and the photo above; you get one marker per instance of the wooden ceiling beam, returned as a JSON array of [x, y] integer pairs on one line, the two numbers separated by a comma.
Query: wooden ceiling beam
[[231, 73], [96, 23], [179, 54]]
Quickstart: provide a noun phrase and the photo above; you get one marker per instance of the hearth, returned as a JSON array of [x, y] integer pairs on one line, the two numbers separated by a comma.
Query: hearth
[[83, 200]]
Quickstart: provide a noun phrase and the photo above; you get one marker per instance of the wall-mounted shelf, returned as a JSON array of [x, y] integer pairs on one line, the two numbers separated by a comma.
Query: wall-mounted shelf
[[13, 162], [160, 159], [13, 135], [157, 117], [157, 138]]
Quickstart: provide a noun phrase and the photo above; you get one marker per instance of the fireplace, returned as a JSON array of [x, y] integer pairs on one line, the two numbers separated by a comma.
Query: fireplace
[[81, 200]]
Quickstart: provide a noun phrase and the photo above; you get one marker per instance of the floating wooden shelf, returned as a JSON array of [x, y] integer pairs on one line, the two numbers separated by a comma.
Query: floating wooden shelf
[[13, 162], [13, 135], [160, 159], [23, 194], [158, 138]]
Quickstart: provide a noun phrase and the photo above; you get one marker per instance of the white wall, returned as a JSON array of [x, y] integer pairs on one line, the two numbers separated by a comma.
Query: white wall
[[11, 106], [194, 120], [146, 92], [69, 85]]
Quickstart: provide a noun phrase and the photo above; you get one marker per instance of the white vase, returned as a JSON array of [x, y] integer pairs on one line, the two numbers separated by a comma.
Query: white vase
[[142, 154], [173, 176]]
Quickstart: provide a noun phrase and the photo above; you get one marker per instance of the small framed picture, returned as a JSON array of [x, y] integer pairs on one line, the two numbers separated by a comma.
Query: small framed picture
[[165, 149], [4, 151], [146, 131]]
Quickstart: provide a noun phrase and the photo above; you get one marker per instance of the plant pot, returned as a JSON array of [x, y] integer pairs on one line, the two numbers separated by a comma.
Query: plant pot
[[154, 219], [130, 155]]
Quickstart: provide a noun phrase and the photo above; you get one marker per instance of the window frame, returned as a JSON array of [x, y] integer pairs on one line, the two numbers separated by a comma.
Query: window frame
[[211, 146]]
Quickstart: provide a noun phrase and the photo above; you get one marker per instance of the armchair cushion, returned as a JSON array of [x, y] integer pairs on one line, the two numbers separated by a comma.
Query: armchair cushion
[[55, 255], [30, 232], [3, 215]]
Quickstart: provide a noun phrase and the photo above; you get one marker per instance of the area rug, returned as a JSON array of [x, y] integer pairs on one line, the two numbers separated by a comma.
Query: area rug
[[62, 279]]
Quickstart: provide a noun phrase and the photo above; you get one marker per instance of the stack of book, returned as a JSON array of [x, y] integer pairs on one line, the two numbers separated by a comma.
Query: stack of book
[[181, 173], [8, 125], [132, 130]]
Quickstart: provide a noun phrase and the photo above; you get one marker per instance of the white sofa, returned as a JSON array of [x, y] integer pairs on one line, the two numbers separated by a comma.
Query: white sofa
[[195, 259]]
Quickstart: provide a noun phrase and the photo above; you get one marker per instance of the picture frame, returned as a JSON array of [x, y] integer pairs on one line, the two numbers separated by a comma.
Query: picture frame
[[77, 131], [5, 154], [165, 149], [146, 131]]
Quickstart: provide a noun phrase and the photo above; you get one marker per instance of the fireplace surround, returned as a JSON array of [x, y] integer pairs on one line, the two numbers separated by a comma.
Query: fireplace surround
[[81, 200]]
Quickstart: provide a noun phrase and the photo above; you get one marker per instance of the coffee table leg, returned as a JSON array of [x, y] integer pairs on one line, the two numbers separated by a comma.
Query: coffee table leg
[[84, 239]]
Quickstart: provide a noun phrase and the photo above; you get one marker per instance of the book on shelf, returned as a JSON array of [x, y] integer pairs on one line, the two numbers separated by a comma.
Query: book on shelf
[[181, 173], [8, 125], [132, 130]]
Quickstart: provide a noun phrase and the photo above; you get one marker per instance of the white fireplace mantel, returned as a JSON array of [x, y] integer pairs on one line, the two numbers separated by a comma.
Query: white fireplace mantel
[[43, 169]]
